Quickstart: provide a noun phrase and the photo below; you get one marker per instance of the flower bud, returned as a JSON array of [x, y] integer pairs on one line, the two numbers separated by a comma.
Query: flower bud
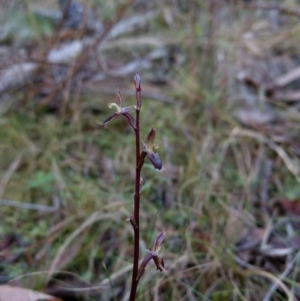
[[137, 82], [149, 148], [155, 160]]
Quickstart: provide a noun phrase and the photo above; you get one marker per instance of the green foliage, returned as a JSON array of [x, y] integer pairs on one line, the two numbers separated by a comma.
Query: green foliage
[[39, 230], [42, 180], [290, 188], [208, 171]]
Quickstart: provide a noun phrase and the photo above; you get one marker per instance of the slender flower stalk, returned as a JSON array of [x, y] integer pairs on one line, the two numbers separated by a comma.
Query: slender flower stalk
[[138, 167], [148, 151]]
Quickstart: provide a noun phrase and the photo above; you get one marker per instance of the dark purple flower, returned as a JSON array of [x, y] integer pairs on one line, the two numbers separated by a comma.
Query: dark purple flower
[[153, 254], [155, 160], [149, 148], [120, 111]]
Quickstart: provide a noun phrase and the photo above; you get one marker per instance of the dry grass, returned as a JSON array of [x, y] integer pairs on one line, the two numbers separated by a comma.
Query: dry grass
[[223, 173]]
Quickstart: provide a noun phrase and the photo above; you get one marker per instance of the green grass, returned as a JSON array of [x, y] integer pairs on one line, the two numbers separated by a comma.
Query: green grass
[[211, 176]]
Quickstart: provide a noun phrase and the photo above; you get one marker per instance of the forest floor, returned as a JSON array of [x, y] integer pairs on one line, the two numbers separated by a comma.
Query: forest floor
[[221, 86]]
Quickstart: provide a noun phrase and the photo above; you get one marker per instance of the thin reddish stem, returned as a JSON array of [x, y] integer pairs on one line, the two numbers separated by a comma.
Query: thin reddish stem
[[136, 214]]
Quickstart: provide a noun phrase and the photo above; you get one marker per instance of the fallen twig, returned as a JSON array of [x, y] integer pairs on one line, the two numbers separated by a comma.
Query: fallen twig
[[284, 274], [30, 206], [270, 6]]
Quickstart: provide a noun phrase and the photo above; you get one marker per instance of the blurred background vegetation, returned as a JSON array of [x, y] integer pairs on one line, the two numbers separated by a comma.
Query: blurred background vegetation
[[220, 83]]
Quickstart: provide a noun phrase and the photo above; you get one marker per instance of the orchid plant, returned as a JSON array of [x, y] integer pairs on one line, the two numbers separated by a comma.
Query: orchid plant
[[149, 151]]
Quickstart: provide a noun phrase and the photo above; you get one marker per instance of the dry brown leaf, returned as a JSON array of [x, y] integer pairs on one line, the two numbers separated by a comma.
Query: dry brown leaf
[[251, 238], [287, 96], [292, 242], [249, 242], [290, 206], [236, 226], [202, 239], [69, 254], [252, 116], [287, 78], [15, 293]]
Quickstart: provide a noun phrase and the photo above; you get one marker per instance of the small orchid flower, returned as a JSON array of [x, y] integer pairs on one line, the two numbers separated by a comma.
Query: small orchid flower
[[153, 254], [119, 111], [149, 148]]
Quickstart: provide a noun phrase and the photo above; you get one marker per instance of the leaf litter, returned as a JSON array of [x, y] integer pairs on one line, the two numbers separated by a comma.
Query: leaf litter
[[262, 86]]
